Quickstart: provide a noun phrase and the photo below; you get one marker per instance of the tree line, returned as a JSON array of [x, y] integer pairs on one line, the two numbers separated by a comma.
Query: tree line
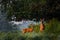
[[30, 9]]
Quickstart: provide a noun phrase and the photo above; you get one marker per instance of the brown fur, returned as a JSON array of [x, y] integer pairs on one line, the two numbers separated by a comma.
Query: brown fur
[[27, 30], [42, 27]]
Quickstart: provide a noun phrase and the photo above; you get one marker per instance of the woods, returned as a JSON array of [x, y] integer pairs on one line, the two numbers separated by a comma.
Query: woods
[[18, 10], [30, 9]]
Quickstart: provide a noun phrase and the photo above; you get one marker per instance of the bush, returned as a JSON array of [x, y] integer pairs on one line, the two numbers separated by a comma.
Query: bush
[[36, 28], [53, 26]]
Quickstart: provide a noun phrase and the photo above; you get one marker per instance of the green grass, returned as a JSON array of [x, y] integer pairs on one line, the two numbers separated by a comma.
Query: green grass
[[27, 36], [51, 32], [19, 36]]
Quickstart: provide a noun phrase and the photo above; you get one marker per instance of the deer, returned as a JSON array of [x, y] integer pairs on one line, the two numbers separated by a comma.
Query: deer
[[25, 30], [42, 26]]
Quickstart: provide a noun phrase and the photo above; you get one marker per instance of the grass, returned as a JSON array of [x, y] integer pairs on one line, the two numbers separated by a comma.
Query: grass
[[51, 32], [27, 36], [19, 36]]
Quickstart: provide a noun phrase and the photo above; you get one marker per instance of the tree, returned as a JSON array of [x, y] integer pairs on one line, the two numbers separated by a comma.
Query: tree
[[29, 9], [25, 8]]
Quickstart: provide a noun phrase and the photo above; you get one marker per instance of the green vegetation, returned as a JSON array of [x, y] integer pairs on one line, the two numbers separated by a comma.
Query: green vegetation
[[29, 9], [35, 28], [51, 32], [53, 26]]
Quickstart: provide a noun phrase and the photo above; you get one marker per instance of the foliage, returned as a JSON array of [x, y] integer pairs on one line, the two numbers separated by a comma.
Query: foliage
[[53, 26], [26, 36], [29, 9], [51, 32], [52, 29], [35, 28]]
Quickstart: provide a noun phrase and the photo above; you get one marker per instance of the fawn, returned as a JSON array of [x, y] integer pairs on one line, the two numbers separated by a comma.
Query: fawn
[[42, 26], [28, 29]]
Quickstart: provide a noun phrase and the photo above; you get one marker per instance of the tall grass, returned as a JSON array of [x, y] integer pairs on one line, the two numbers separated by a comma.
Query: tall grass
[[51, 32]]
